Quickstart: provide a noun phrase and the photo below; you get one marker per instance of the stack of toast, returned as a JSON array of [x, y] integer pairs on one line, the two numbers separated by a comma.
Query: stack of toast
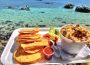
[[31, 44]]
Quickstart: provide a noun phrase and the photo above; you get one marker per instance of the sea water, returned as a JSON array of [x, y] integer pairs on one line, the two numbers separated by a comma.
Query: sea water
[[44, 12]]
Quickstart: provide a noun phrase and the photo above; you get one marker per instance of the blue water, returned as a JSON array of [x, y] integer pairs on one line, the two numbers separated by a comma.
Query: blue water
[[37, 3], [54, 13]]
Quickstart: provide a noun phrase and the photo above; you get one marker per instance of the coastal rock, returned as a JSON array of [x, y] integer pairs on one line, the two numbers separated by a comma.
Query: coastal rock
[[10, 7], [1, 48], [4, 42], [9, 24], [48, 2], [64, 22], [1, 37], [8, 35], [21, 22], [72, 23], [83, 9], [4, 34], [41, 21], [12, 28], [7, 21], [18, 24], [60, 25], [42, 12], [26, 25], [42, 25], [68, 6], [2, 22], [87, 25], [25, 8], [1, 27]]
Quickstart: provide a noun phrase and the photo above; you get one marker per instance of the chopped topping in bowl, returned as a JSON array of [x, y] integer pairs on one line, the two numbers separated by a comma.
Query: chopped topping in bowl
[[76, 33]]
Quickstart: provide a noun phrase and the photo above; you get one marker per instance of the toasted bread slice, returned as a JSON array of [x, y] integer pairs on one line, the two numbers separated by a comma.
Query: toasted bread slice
[[25, 41], [33, 49], [43, 42], [30, 30], [23, 58], [29, 36]]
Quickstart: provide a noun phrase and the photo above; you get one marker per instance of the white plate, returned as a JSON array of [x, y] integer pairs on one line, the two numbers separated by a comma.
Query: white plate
[[6, 57]]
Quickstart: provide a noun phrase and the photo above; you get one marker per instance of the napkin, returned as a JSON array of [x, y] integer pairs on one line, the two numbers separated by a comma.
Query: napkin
[[84, 52], [59, 52]]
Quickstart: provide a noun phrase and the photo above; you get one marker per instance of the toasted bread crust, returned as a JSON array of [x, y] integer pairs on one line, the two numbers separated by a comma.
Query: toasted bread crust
[[19, 54], [33, 49], [25, 41], [29, 36], [42, 43], [29, 30]]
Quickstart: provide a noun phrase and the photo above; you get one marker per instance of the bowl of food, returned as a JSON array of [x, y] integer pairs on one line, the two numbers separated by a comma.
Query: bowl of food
[[74, 38]]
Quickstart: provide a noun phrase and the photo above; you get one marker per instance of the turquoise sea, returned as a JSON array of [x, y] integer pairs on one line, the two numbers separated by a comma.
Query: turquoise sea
[[43, 12]]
